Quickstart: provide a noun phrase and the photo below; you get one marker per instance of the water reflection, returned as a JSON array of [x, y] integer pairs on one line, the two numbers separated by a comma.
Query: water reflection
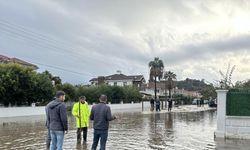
[[170, 131]]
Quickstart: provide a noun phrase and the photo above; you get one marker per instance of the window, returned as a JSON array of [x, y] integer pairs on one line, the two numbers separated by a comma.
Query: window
[[115, 83], [125, 84]]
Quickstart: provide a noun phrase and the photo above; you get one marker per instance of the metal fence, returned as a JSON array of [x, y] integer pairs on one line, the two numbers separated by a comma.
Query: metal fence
[[238, 103]]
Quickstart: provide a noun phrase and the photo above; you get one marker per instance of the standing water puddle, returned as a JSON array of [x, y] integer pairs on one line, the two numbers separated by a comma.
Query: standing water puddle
[[133, 131]]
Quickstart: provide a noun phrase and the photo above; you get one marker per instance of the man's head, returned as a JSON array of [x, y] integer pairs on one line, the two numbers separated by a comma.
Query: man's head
[[60, 95], [103, 98], [82, 99]]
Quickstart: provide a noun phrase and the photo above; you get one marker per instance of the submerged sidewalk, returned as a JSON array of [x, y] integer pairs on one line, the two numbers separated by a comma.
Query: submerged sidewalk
[[182, 108]]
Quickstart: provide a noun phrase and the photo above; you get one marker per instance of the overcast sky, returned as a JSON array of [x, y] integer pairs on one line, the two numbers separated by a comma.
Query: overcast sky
[[81, 39]]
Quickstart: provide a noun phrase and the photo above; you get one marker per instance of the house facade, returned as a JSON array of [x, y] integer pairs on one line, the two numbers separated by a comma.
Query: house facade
[[5, 60], [162, 90], [119, 80]]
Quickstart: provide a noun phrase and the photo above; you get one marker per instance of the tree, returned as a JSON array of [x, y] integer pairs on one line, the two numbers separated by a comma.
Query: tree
[[69, 90], [57, 80], [44, 89], [226, 82], [17, 83], [208, 92], [169, 81], [22, 85], [156, 70]]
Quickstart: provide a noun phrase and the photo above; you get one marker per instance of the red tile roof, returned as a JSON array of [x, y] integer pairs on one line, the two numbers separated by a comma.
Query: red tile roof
[[6, 59]]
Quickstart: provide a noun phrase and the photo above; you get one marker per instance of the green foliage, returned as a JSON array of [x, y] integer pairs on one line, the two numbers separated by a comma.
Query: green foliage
[[156, 68], [238, 103], [185, 99], [240, 85], [169, 81], [191, 84], [208, 92], [69, 89], [22, 86], [156, 71], [57, 80], [115, 94], [44, 90]]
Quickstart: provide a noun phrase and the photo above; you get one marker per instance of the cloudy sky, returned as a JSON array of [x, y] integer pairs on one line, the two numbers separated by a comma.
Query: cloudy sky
[[81, 39]]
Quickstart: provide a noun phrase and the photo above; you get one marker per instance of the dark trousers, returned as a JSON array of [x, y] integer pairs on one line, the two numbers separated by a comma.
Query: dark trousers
[[158, 108], [78, 132], [152, 107], [48, 139], [101, 135], [169, 108]]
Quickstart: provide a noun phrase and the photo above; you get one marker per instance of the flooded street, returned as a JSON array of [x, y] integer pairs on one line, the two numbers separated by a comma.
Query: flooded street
[[133, 131]]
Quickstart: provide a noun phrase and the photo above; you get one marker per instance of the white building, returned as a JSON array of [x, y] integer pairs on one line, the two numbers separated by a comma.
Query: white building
[[119, 80]]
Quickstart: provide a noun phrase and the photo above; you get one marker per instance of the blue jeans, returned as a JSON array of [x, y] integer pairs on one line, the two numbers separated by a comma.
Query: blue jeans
[[57, 138], [103, 136]]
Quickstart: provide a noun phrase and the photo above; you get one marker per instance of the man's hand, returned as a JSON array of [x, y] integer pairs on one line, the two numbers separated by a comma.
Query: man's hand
[[115, 117], [66, 132]]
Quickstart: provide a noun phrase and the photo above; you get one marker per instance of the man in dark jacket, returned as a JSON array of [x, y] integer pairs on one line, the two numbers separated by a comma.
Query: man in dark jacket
[[170, 104], [57, 121], [101, 114], [48, 138], [158, 104], [152, 103]]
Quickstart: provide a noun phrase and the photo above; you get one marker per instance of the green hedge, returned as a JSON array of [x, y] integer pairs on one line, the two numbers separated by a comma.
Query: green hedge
[[238, 103], [22, 86]]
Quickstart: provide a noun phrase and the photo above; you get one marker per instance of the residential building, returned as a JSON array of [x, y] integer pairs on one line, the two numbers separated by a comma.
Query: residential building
[[162, 89], [5, 59], [119, 80]]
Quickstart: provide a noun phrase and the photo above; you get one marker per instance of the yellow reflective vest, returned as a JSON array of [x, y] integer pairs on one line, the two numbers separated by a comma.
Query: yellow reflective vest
[[81, 112]]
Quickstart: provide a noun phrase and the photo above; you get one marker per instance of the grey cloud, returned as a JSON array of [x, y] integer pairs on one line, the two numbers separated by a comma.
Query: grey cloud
[[93, 37], [207, 49]]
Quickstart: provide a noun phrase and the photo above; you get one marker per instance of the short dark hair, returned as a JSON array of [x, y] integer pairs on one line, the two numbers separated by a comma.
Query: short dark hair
[[59, 93], [82, 97], [103, 98]]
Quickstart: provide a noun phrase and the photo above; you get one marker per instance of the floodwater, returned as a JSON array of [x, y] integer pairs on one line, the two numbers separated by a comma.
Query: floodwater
[[133, 131]]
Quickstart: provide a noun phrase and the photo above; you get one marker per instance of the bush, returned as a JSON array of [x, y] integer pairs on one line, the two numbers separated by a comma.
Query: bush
[[23, 86], [115, 94]]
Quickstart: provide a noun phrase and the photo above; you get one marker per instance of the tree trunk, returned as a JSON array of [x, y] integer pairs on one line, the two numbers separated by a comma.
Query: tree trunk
[[165, 89], [169, 90], [155, 88]]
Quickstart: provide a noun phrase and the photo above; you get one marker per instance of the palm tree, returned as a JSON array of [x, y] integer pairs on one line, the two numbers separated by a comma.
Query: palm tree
[[156, 70], [169, 77]]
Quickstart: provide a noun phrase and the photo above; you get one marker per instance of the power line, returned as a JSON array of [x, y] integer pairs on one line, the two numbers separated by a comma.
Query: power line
[[21, 33], [33, 39], [28, 31], [59, 68], [37, 41]]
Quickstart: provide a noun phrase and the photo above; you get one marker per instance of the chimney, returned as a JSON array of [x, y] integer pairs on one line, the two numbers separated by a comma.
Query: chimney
[[100, 80], [119, 72]]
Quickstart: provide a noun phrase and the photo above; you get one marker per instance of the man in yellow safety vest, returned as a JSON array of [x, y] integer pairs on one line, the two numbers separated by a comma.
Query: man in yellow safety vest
[[81, 112]]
